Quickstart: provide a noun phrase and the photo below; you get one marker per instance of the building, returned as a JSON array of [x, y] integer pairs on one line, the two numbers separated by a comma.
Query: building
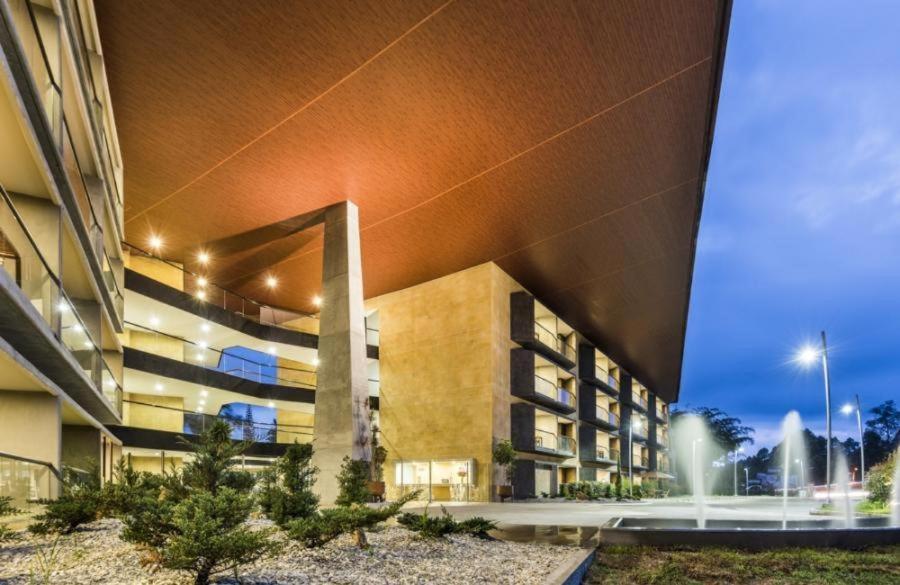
[[460, 222]]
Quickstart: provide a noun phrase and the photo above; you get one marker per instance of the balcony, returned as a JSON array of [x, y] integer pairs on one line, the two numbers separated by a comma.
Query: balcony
[[537, 379], [639, 402], [545, 441], [596, 369], [535, 327], [605, 455], [641, 462], [58, 334], [606, 418]]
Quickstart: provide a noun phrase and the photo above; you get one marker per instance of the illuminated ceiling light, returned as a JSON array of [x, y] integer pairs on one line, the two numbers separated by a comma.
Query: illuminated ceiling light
[[63, 306], [203, 257], [200, 356], [199, 409], [201, 281], [316, 361], [88, 344], [272, 351], [202, 344], [204, 393], [201, 402], [158, 387], [205, 327], [317, 301], [154, 321], [155, 242], [201, 294], [270, 404], [271, 282], [77, 328]]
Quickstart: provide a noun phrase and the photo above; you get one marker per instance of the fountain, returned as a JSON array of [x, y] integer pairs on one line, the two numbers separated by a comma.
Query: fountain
[[700, 530], [843, 476], [895, 492]]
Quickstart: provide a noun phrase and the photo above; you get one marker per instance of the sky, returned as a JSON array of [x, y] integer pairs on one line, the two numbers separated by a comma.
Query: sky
[[801, 220]]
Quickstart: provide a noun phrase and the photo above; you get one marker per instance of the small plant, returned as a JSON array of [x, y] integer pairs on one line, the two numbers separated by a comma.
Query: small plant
[[504, 455], [46, 559], [353, 486], [7, 509], [328, 524], [440, 526]]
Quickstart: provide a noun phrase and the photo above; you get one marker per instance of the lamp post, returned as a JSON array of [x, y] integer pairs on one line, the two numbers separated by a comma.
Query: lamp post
[[746, 481], [632, 422], [808, 356], [735, 454], [847, 409]]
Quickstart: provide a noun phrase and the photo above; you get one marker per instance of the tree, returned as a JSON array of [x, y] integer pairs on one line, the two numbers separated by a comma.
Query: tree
[[504, 456], [249, 427], [286, 492], [195, 520], [886, 421], [727, 431], [353, 487]]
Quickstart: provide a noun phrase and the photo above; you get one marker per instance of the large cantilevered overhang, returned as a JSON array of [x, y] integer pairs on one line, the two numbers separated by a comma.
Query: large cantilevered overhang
[[566, 141]]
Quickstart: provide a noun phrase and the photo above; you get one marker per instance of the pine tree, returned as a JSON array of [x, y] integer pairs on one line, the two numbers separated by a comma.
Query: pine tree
[[286, 492]]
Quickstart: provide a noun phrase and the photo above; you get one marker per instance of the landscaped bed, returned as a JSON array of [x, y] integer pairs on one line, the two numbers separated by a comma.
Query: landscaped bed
[[94, 554], [633, 564]]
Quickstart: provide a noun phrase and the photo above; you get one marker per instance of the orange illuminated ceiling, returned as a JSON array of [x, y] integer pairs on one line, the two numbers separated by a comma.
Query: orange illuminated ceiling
[[566, 141]]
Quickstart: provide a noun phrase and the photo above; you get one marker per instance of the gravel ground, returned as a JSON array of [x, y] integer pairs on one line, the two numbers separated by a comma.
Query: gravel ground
[[95, 555]]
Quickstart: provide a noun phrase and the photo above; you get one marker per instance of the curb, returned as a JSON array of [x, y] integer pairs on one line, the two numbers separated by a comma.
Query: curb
[[574, 571]]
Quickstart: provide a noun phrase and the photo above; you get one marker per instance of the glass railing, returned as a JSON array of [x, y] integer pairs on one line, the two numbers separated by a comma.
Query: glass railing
[[43, 289], [607, 417], [242, 429], [566, 444], [227, 361], [639, 401], [606, 377], [200, 287], [551, 390], [607, 454], [50, 92], [544, 440], [553, 341], [27, 481]]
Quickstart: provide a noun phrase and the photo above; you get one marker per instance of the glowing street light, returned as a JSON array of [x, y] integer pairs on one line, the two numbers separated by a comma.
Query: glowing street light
[[634, 424], [847, 410], [807, 357]]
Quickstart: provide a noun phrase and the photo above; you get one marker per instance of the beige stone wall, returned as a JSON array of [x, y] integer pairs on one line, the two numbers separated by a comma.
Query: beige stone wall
[[292, 371], [154, 464], [444, 366], [291, 434], [150, 417]]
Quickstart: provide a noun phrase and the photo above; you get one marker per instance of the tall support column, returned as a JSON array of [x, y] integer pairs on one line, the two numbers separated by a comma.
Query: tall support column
[[341, 426]]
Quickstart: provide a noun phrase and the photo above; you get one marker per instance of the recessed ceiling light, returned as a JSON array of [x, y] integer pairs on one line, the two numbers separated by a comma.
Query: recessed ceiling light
[[88, 344], [158, 387], [202, 344], [62, 306], [317, 301], [156, 242], [205, 327], [199, 409], [204, 393], [77, 328], [271, 404], [203, 257], [316, 361], [272, 350], [271, 282], [201, 281], [154, 321], [201, 294]]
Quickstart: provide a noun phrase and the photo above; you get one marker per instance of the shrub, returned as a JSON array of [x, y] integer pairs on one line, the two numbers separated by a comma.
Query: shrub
[[194, 520], [286, 492], [879, 479], [326, 525], [353, 487], [209, 536], [79, 503], [440, 526], [126, 489], [6, 509], [608, 492], [504, 455]]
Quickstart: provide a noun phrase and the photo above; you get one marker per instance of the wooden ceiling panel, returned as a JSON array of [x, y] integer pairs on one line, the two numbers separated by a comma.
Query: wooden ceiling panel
[[565, 140]]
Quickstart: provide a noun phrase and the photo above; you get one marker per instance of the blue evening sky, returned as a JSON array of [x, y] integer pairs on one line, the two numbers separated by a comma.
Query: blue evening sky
[[801, 221]]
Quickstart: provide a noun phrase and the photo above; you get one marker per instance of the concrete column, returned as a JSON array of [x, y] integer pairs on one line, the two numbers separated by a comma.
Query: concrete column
[[341, 426]]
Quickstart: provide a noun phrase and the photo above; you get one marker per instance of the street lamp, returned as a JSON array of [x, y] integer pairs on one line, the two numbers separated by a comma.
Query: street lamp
[[807, 356], [802, 473], [633, 422], [848, 409], [735, 454]]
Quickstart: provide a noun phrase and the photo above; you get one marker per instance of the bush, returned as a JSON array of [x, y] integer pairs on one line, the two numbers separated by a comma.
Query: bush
[[286, 492], [79, 503], [326, 525], [117, 497], [879, 479], [440, 526], [353, 486], [504, 455], [209, 536], [6, 509]]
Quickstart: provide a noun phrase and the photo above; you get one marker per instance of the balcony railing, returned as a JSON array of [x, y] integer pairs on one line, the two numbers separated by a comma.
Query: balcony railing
[[232, 362], [242, 429], [44, 290], [642, 461], [78, 177], [553, 341], [199, 286], [606, 377], [551, 390], [27, 480], [566, 444], [639, 401], [547, 441], [607, 416], [605, 454]]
